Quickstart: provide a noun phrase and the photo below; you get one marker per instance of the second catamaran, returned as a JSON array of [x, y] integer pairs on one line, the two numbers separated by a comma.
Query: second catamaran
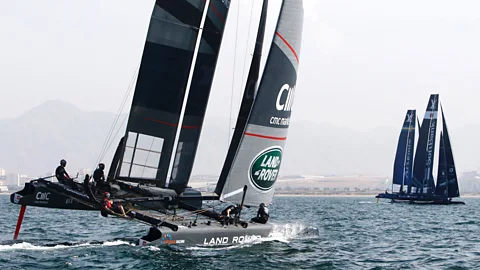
[[418, 185]]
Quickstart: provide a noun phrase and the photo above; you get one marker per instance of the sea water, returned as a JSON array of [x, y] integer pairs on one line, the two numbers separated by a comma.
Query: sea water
[[354, 233]]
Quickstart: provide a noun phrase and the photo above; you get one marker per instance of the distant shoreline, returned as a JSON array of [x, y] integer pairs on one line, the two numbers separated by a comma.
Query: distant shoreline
[[321, 195]]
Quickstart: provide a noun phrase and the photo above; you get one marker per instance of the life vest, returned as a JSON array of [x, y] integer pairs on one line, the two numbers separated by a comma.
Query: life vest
[[107, 203]]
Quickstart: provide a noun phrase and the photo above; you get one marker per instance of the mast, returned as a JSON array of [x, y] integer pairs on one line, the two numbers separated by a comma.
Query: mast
[[407, 176]]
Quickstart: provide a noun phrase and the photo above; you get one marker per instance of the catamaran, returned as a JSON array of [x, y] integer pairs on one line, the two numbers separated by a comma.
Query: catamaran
[[153, 162], [418, 185]]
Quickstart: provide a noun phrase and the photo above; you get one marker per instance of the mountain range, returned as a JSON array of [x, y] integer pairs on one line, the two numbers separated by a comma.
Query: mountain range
[[34, 143]]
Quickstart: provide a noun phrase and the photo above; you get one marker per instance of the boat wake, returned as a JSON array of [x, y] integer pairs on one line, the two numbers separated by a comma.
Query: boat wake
[[287, 232], [16, 245]]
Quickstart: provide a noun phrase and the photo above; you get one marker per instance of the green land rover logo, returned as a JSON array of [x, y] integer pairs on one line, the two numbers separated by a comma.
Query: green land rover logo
[[264, 168]]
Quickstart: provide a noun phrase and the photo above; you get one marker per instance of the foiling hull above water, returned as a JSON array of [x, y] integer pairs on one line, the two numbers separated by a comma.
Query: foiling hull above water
[[417, 198]]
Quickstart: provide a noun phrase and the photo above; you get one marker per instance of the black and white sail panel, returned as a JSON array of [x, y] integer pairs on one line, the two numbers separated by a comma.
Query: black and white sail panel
[[424, 154], [199, 93], [259, 153], [160, 88]]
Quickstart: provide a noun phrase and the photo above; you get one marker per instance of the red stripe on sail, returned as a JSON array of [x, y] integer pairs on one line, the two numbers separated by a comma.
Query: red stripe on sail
[[266, 137], [216, 11], [288, 45], [170, 124]]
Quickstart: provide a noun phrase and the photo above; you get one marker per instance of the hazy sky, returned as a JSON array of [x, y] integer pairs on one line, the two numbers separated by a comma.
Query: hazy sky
[[362, 63]]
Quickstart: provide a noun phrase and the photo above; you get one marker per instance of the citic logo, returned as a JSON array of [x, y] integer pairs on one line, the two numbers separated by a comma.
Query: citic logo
[[285, 104], [43, 196]]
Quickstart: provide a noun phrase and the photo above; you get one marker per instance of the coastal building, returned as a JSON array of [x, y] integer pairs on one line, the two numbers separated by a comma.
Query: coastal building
[[3, 188], [13, 179]]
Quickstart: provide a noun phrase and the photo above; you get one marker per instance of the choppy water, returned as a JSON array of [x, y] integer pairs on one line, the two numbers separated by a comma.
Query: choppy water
[[355, 233]]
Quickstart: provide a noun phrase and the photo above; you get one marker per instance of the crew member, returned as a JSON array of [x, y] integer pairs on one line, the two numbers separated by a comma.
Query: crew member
[[62, 175], [262, 214], [227, 213], [99, 176], [107, 203]]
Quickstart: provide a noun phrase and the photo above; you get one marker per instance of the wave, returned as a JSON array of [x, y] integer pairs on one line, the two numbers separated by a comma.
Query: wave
[[64, 245]]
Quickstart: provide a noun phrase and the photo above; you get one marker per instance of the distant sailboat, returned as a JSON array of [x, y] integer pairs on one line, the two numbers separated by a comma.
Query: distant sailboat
[[419, 182]]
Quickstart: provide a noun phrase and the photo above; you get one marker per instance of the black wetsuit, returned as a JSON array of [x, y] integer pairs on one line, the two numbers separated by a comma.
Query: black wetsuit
[[99, 175], [230, 218], [61, 175], [99, 178], [64, 178], [262, 215]]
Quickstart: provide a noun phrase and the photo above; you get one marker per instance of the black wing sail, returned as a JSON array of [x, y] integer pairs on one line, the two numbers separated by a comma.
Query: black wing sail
[[198, 95], [453, 190], [441, 189], [402, 168], [424, 154], [160, 90]]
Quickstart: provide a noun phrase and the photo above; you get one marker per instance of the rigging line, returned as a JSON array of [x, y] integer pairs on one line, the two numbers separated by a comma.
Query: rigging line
[[117, 116], [246, 49], [124, 119], [127, 94], [105, 147], [233, 77]]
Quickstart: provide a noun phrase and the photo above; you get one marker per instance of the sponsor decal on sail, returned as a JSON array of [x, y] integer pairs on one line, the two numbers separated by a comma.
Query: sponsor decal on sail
[[283, 103], [264, 168], [430, 142], [409, 118]]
